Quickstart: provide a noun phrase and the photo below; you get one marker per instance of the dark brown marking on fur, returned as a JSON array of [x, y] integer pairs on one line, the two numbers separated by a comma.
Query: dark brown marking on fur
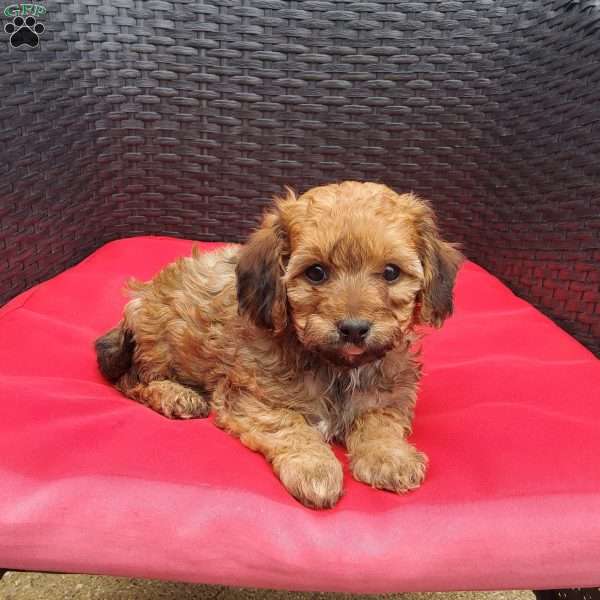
[[260, 290], [441, 295], [114, 352], [441, 262]]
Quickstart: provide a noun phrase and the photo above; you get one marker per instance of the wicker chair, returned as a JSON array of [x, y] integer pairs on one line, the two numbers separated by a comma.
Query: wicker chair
[[183, 117]]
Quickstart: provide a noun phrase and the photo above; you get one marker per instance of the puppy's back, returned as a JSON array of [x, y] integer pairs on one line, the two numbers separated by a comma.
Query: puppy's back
[[188, 303]]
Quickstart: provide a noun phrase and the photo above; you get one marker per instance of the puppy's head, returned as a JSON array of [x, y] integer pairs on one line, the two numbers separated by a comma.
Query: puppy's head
[[350, 267]]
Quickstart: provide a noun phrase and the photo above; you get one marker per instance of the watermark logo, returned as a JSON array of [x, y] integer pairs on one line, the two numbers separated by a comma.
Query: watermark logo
[[25, 29]]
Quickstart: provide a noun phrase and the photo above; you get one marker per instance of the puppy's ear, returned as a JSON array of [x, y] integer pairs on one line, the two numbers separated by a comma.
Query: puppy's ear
[[260, 290], [441, 262]]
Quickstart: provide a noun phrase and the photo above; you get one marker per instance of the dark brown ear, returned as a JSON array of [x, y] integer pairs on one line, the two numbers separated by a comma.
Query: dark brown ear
[[441, 262], [260, 289]]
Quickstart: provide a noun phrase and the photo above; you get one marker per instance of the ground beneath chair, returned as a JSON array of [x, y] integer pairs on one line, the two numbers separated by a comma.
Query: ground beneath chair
[[33, 586]]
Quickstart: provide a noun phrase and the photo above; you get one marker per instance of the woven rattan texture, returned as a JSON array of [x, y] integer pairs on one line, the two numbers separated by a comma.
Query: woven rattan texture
[[183, 117], [573, 594]]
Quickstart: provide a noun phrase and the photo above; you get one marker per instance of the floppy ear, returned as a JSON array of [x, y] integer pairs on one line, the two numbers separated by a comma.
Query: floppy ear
[[441, 262], [260, 289]]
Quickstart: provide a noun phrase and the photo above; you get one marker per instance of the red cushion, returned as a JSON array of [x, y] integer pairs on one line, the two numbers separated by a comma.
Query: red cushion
[[509, 414]]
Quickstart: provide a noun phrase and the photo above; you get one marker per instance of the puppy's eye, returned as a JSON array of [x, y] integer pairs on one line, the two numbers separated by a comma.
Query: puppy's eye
[[316, 274], [391, 273]]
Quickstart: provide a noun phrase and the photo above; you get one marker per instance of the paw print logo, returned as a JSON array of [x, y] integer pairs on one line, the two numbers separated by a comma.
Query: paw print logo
[[24, 31]]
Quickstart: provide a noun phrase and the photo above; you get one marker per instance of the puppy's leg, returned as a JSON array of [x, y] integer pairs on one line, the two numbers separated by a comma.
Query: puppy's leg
[[379, 453], [167, 397], [304, 463]]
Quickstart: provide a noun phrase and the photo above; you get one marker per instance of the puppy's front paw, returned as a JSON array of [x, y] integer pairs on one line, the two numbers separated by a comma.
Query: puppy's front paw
[[179, 402], [398, 468], [315, 480]]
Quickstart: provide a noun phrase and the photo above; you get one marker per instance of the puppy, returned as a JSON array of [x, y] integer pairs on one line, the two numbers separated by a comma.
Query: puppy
[[300, 337]]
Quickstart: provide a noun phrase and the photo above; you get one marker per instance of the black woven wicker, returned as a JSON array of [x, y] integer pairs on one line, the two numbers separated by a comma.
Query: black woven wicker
[[183, 117], [574, 594]]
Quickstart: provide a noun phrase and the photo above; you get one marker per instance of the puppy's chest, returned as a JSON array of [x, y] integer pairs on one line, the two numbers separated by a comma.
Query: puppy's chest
[[336, 398]]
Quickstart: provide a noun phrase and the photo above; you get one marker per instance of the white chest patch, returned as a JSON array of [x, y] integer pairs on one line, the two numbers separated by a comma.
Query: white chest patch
[[337, 397]]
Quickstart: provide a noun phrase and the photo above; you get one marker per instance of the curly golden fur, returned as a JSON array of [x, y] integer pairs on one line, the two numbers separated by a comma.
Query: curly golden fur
[[300, 337]]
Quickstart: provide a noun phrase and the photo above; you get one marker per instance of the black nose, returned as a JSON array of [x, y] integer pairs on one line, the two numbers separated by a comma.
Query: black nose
[[354, 330]]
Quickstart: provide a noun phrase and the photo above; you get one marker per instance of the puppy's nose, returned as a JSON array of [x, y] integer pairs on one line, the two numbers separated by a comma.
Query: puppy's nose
[[354, 330]]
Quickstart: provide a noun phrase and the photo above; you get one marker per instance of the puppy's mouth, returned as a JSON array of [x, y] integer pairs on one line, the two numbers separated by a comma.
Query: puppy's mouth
[[351, 355], [352, 351]]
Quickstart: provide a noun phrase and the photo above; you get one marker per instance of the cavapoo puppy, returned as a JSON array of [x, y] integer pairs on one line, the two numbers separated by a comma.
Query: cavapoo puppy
[[298, 338]]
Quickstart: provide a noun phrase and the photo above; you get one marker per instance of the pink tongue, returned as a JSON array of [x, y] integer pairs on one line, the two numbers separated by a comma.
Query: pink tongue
[[353, 350]]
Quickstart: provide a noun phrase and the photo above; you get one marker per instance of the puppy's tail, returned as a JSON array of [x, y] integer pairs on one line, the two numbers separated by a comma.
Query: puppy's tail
[[114, 351]]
